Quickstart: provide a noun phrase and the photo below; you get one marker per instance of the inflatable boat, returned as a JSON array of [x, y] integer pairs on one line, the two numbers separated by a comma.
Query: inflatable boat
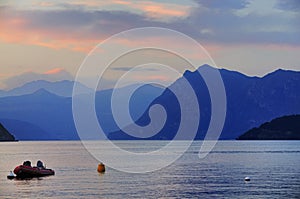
[[24, 171]]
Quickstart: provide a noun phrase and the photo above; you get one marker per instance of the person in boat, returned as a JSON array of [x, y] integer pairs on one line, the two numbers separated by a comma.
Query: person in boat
[[39, 164], [27, 163]]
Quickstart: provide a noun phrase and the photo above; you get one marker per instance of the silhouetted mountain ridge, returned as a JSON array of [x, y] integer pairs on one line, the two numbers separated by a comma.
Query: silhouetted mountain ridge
[[282, 128]]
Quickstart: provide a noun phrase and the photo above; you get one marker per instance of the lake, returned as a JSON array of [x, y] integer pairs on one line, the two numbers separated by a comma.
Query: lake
[[273, 167]]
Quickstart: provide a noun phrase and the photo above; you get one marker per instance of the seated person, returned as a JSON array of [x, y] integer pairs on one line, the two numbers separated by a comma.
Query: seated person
[[39, 164], [27, 163]]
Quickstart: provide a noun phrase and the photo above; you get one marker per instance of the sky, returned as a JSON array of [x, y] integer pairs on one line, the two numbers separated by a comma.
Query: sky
[[41, 39]]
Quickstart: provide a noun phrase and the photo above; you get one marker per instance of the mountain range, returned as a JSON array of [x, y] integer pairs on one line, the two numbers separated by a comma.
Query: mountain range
[[54, 75], [61, 88], [43, 115], [251, 101], [42, 110]]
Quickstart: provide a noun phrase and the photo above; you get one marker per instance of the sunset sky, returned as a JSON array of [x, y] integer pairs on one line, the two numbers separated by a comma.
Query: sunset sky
[[50, 37]]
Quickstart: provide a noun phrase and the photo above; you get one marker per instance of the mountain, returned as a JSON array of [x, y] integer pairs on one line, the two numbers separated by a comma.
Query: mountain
[[283, 128], [43, 115], [62, 88], [5, 135], [50, 112], [54, 75], [250, 102]]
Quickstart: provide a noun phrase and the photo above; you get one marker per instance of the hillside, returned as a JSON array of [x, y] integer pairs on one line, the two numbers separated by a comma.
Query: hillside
[[5, 135], [283, 128]]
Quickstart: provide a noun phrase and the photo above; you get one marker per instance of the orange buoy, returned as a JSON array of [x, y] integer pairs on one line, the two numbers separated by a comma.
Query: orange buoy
[[101, 168]]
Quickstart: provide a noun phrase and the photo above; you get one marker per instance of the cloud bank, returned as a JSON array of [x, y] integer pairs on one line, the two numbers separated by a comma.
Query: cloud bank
[[79, 25]]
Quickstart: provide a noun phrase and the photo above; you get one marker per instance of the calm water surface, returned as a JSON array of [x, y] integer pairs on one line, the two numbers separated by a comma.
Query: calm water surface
[[273, 167]]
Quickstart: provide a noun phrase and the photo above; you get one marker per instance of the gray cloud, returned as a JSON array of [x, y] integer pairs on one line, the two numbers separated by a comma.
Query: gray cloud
[[129, 68], [228, 27], [229, 4], [206, 25], [293, 5], [83, 23]]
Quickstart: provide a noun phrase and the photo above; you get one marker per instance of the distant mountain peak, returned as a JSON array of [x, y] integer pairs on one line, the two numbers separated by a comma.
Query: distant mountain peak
[[280, 72], [62, 88], [27, 77], [44, 93], [200, 68]]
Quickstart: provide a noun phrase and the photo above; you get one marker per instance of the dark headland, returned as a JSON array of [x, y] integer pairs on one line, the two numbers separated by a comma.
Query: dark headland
[[282, 128], [5, 136]]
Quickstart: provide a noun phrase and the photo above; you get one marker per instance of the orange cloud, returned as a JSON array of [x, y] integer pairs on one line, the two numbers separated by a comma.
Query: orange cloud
[[2, 75], [158, 10], [15, 30], [42, 40], [53, 71], [121, 2]]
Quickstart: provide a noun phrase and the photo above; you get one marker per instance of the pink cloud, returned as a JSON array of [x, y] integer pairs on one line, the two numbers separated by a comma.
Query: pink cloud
[[121, 2], [15, 30], [53, 71], [3, 75], [158, 10]]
